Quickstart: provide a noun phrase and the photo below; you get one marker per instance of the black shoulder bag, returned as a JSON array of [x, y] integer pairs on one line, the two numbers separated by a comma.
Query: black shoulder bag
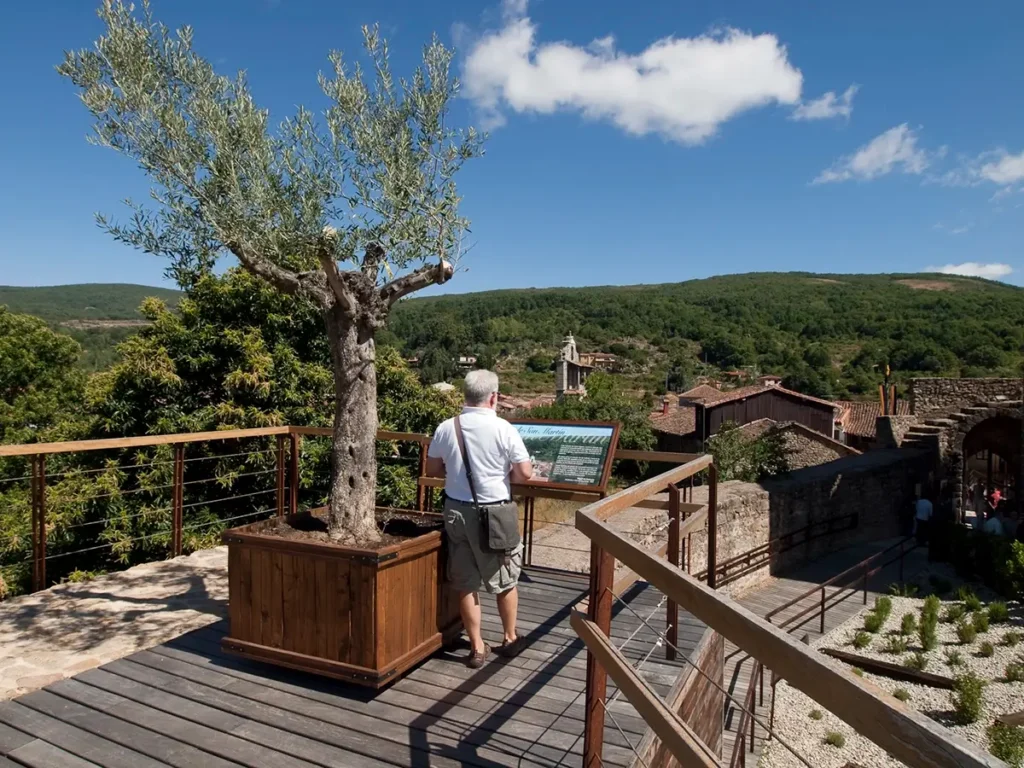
[[499, 523]]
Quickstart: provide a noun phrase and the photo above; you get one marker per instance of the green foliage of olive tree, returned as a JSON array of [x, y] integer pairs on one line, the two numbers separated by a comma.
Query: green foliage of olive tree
[[337, 211]]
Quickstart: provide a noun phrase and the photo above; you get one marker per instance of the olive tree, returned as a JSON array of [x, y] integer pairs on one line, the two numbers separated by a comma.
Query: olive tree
[[350, 210]]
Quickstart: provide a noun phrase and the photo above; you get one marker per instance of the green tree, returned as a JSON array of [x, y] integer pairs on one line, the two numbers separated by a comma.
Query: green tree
[[538, 363], [370, 186], [739, 457]]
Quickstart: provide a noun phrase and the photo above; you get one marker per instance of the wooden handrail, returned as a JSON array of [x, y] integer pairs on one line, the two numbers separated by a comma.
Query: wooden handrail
[[681, 741], [908, 735], [76, 446]]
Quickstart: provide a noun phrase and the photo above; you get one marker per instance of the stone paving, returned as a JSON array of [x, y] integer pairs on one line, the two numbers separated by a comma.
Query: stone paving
[[70, 628]]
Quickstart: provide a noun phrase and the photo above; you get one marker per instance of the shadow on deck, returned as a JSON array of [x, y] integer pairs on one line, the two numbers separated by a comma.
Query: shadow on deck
[[186, 703]]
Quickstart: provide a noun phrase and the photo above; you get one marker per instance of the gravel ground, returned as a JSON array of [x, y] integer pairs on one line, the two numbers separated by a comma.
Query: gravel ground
[[806, 735]]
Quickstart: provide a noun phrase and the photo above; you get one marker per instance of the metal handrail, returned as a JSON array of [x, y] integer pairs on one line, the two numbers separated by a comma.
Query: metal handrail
[[739, 749]]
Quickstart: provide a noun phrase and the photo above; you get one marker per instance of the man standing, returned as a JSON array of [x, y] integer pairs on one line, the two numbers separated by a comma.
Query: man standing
[[922, 518], [497, 459]]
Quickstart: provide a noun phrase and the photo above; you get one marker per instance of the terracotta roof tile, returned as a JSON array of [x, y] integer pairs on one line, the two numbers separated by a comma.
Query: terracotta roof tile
[[859, 415], [680, 420], [704, 393]]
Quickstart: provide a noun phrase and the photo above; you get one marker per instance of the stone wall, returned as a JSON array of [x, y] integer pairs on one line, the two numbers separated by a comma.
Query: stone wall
[[890, 430], [878, 486], [929, 396], [807, 448], [698, 702]]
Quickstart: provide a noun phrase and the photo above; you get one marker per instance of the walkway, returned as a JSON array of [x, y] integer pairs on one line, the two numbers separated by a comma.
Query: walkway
[[780, 590], [186, 703]]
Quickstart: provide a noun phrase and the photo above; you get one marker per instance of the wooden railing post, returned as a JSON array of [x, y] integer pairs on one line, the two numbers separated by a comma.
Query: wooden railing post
[[293, 460], [712, 526], [38, 522], [280, 475], [421, 490], [822, 610], [672, 609], [177, 500], [602, 574]]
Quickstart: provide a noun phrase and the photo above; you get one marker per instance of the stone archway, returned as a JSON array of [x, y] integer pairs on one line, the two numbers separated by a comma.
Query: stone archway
[[989, 430]]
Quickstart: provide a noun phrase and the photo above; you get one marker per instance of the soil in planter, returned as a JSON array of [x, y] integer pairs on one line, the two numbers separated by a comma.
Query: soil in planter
[[395, 525]]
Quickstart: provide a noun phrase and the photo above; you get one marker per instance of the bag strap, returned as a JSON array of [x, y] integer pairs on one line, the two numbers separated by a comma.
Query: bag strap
[[460, 438]]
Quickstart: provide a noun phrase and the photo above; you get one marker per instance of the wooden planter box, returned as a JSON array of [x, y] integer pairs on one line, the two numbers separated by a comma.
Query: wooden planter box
[[360, 615]]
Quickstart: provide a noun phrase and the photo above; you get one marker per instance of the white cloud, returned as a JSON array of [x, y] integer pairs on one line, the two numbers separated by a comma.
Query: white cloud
[[1007, 169], [974, 269], [680, 88], [894, 150], [828, 106]]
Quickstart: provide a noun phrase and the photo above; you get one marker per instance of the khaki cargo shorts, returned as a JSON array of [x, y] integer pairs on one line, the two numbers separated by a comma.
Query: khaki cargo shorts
[[470, 569]]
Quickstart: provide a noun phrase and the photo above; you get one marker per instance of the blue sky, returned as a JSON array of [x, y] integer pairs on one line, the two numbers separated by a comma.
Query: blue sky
[[630, 142]]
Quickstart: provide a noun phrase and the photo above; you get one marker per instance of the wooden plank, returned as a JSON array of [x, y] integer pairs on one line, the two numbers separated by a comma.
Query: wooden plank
[[127, 734], [908, 735], [74, 740], [11, 739], [78, 446], [1012, 718], [40, 754], [644, 490], [681, 741], [888, 669], [667, 457]]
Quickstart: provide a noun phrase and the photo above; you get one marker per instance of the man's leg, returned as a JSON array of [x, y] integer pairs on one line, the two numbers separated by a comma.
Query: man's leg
[[508, 607], [469, 607]]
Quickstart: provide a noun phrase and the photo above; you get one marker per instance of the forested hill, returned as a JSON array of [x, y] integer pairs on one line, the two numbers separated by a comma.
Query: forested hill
[[97, 315], [824, 331], [84, 302]]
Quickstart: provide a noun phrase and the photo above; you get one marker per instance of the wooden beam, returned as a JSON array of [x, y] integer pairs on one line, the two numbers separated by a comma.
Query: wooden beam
[[694, 521], [685, 507], [641, 491], [77, 446], [1011, 718], [675, 734], [630, 577], [906, 734], [888, 669], [667, 457]]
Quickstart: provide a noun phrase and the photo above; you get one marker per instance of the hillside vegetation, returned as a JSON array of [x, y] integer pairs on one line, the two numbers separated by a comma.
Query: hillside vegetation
[[828, 334], [97, 315]]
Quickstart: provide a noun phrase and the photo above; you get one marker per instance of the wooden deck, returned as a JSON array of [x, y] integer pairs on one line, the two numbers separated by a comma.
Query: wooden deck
[[187, 704]]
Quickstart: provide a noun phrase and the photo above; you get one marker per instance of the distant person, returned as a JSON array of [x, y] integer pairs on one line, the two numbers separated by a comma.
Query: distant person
[[497, 457], [922, 518]]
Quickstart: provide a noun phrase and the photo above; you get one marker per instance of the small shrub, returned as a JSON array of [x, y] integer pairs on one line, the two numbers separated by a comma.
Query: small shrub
[[987, 650], [965, 632], [972, 603], [858, 671], [927, 636], [954, 658], [1007, 743], [964, 593], [816, 714], [968, 692], [939, 584], [835, 739], [861, 640], [895, 644], [883, 606], [916, 661], [1011, 638], [931, 606], [902, 694], [873, 622], [1014, 672], [954, 613], [980, 621], [998, 612], [902, 590], [908, 625]]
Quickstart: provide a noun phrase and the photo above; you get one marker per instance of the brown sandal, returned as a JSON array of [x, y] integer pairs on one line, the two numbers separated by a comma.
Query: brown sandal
[[476, 660]]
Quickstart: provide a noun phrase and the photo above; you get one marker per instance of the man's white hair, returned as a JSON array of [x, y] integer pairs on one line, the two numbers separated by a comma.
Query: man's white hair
[[479, 386]]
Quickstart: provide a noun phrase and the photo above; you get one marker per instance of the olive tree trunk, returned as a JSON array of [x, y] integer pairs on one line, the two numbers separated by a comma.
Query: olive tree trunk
[[351, 516]]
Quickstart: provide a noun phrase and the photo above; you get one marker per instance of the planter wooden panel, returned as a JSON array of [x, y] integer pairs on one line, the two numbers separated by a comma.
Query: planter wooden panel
[[360, 615]]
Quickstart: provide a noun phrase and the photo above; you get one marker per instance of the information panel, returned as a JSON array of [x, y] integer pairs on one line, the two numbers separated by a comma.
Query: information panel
[[570, 454]]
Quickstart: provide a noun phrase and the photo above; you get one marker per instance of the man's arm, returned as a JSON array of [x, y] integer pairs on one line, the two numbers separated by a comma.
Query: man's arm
[[521, 471], [522, 467]]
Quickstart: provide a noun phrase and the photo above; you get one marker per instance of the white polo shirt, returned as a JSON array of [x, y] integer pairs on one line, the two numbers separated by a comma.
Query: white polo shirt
[[494, 446]]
